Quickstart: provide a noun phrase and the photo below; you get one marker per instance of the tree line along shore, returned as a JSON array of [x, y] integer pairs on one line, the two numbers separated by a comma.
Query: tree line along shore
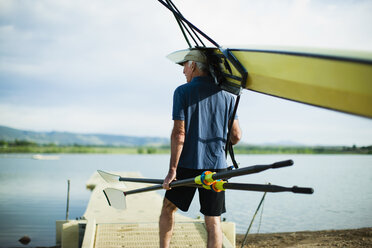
[[22, 146]]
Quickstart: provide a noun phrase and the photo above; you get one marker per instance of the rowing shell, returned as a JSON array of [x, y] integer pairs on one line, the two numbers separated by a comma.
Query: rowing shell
[[335, 80]]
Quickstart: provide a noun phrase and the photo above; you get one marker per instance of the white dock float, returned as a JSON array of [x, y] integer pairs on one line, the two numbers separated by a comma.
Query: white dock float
[[137, 226]]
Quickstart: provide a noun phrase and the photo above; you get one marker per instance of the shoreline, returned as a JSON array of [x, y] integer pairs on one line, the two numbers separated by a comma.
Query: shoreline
[[361, 237]]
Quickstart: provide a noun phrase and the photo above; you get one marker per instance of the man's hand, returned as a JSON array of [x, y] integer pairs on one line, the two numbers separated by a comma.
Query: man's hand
[[168, 179], [177, 140]]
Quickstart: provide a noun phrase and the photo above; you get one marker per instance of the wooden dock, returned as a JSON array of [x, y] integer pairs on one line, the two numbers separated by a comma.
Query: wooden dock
[[136, 226]]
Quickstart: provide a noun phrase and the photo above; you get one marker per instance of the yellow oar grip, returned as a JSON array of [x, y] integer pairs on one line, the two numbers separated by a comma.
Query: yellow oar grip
[[205, 178], [218, 186], [197, 180], [208, 179]]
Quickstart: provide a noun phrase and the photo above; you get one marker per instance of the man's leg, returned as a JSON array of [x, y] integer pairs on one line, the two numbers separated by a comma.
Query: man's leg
[[166, 223], [214, 230]]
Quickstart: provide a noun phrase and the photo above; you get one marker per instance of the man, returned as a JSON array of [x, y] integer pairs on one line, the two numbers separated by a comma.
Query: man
[[201, 115]]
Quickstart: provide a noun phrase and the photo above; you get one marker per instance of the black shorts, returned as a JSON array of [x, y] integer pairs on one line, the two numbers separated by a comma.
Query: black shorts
[[211, 203]]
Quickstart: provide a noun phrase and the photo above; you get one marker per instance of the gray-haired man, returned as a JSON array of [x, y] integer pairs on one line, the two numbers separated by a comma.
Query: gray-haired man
[[201, 114]]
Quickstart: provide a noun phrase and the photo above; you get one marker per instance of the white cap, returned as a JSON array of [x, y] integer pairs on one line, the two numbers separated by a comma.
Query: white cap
[[193, 55]]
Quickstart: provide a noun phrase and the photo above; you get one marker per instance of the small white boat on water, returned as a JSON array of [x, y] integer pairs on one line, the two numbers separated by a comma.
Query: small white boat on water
[[45, 157]]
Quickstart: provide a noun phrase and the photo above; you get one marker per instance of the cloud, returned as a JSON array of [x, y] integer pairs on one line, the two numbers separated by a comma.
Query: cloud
[[328, 24], [83, 49], [79, 41]]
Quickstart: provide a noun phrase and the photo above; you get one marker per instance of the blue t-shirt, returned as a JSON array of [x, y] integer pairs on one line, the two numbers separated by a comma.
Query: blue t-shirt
[[206, 109]]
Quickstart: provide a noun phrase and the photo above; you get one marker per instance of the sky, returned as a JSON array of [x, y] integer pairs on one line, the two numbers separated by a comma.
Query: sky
[[99, 66]]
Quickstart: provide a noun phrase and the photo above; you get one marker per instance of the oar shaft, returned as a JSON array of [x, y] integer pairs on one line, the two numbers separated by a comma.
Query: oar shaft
[[250, 170], [160, 186], [112, 178], [141, 190], [141, 180], [157, 181], [235, 186], [267, 188]]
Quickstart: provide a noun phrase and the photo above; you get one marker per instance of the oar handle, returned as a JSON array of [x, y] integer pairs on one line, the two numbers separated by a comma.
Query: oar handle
[[281, 164], [302, 190]]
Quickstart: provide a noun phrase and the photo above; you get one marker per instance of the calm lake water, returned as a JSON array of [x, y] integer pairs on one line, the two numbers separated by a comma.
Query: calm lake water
[[33, 192]]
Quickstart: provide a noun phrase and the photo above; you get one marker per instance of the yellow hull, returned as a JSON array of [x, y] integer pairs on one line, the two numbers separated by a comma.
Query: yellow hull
[[337, 81]]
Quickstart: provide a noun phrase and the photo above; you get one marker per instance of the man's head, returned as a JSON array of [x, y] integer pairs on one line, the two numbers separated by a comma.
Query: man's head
[[194, 64], [194, 55]]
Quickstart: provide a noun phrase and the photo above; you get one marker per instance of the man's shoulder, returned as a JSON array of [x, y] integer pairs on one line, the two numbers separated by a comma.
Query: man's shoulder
[[181, 88], [203, 84], [187, 87]]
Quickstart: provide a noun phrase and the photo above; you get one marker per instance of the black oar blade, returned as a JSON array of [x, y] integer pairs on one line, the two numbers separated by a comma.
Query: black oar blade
[[115, 198], [108, 177]]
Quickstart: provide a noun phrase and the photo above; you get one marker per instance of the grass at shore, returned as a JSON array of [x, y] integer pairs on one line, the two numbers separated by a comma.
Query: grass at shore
[[30, 147]]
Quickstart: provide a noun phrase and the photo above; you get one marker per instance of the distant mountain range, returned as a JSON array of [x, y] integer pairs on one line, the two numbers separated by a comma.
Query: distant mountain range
[[66, 138]]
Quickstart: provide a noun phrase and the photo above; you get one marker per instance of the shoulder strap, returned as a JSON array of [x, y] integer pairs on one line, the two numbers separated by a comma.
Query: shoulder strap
[[229, 147]]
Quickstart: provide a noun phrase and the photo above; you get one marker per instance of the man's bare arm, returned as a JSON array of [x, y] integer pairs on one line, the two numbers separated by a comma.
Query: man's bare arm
[[177, 141], [236, 133]]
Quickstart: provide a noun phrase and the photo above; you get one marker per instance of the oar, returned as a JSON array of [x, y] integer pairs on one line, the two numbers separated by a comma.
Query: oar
[[202, 179], [206, 179], [112, 178], [209, 178], [109, 177], [117, 198]]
